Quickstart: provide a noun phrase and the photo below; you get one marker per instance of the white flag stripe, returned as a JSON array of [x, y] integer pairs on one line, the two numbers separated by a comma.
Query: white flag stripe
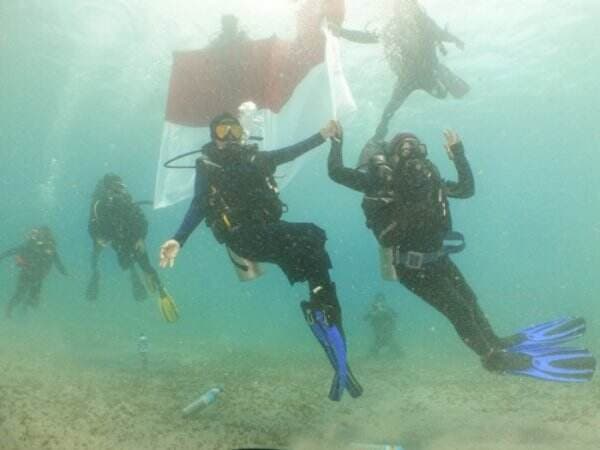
[[322, 95]]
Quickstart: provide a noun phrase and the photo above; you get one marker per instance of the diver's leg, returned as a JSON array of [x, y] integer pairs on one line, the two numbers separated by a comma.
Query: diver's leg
[[403, 88], [434, 284], [143, 261], [374, 352], [380, 343], [299, 250], [394, 347], [35, 289], [20, 291], [463, 288], [126, 257], [91, 292], [139, 291]]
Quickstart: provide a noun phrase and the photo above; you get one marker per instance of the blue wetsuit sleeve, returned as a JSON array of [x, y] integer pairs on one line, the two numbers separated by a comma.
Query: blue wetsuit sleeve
[[284, 155], [196, 212], [465, 186]]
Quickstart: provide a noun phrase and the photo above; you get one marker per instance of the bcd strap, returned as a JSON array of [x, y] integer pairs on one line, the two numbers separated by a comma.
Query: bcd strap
[[416, 260]]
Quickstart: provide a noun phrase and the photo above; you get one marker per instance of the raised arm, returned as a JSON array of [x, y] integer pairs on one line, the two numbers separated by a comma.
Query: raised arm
[[274, 158], [352, 178], [359, 37], [284, 155], [465, 186]]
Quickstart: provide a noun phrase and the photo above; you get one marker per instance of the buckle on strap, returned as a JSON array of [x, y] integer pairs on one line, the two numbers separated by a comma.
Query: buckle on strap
[[314, 315], [414, 260]]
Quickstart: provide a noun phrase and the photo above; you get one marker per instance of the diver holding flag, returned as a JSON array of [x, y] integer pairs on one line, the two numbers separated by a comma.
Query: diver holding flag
[[236, 193]]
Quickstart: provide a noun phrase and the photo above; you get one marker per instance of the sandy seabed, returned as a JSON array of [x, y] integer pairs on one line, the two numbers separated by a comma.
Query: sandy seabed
[[51, 399]]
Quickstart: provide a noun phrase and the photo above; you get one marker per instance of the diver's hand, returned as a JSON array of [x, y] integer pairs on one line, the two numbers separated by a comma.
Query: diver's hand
[[330, 130], [452, 141], [168, 253]]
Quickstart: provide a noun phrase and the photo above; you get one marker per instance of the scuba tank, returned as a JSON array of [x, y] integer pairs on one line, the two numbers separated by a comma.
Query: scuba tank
[[245, 269], [386, 264]]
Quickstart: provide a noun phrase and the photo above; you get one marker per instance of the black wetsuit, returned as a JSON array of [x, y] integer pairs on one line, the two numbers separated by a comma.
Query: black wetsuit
[[440, 282], [234, 191], [35, 262], [383, 322], [411, 40], [118, 220]]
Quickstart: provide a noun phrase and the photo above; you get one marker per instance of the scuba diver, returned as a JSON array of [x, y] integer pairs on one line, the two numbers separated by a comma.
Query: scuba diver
[[230, 32], [116, 219], [236, 192], [406, 207], [382, 319], [411, 40], [35, 258]]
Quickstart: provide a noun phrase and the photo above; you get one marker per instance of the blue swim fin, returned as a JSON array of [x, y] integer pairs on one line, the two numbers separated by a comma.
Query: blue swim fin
[[567, 365], [331, 338], [550, 333]]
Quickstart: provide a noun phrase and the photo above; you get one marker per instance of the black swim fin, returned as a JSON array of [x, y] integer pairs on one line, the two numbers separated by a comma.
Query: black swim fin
[[456, 86]]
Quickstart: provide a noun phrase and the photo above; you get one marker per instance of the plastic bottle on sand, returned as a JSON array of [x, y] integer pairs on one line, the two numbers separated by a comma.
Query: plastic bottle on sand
[[206, 399]]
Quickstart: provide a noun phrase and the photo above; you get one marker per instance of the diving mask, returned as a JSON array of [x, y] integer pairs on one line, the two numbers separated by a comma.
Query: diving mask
[[411, 147], [229, 131]]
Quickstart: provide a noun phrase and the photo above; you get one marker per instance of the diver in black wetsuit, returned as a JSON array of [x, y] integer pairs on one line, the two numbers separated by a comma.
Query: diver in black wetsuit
[[236, 192], [382, 319], [411, 40], [230, 32], [406, 206], [35, 257], [116, 219]]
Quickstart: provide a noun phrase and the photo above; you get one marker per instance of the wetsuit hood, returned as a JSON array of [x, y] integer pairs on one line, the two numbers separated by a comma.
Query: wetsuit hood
[[400, 138], [112, 182], [419, 152]]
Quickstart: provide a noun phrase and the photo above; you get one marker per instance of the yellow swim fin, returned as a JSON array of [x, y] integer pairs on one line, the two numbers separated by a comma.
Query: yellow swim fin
[[168, 308]]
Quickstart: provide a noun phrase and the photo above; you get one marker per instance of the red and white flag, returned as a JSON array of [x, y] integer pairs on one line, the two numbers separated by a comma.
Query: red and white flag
[[296, 85]]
